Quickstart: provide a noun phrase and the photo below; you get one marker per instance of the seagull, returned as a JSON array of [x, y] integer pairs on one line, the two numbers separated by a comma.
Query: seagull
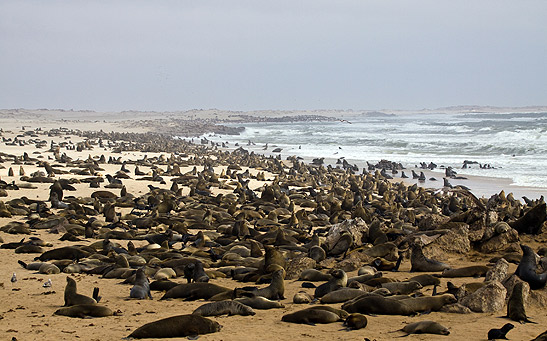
[[47, 284], [13, 278]]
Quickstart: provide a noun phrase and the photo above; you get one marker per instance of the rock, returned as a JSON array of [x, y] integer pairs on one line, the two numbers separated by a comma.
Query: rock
[[357, 228], [538, 298], [455, 308], [500, 242], [455, 241], [295, 266], [477, 230], [432, 221], [350, 263], [492, 217], [488, 299], [498, 272]]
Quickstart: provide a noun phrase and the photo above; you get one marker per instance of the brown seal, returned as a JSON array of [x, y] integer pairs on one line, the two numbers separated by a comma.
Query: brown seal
[[319, 314], [141, 288], [356, 321], [374, 304], [177, 326], [468, 271], [276, 289], [429, 303], [83, 310], [195, 291], [420, 263], [515, 305], [339, 280], [527, 269], [72, 297], [425, 327], [259, 302], [222, 308]]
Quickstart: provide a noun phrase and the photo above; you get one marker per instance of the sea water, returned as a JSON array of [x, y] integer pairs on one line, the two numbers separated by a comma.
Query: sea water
[[514, 145]]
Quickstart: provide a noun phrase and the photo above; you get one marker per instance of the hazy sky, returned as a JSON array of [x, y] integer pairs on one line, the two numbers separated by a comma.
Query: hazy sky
[[246, 55]]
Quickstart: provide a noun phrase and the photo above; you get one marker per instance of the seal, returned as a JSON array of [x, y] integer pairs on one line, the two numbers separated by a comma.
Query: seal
[[319, 314], [222, 308], [375, 304], [83, 310], [526, 269], [195, 291], [468, 271], [429, 303], [402, 288], [356, 321], [259, 302], [425, 327], [515, 305], [341, 295], [420, 263], [302, 297], [425, 279], [177, 326], [494, 334], [313, 275], [339, 280], [141, 288], [541, 337], [72, 297], [276, 289]]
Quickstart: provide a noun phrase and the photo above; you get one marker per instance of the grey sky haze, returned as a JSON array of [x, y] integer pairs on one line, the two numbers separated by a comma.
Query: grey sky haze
[[250, 55]]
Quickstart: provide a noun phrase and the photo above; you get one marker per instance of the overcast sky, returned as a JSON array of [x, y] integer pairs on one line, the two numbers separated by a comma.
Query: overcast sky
[[249, 55]]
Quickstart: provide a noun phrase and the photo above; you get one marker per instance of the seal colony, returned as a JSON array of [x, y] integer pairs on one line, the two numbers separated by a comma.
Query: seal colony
[[234, 233]]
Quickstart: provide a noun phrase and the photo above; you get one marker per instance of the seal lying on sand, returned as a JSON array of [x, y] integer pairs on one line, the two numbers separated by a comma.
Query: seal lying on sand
[[83, 310], [177, 326], [425, 327], [222, 308]]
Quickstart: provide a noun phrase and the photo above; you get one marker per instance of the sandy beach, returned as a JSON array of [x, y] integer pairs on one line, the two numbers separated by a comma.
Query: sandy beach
[[28, 307]]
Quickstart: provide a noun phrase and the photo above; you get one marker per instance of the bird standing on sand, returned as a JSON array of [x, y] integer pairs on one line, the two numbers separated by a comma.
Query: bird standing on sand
[[48, 283], [13, 278]]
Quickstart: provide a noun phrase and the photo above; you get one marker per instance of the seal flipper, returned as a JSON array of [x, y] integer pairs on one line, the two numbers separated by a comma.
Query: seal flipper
[[23, 264], [96, 296]]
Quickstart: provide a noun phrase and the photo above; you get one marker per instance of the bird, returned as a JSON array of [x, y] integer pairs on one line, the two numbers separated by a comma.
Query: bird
[[14, 278], [47, 283]]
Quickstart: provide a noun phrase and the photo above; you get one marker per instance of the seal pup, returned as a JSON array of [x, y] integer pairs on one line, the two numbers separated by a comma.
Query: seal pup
[[177, 326], [526, 269], [420, 263], [72, 297], [494, 334], [515, 305], [141, 288], [224, 307], [302, 297], [355, 321], [425, 327]]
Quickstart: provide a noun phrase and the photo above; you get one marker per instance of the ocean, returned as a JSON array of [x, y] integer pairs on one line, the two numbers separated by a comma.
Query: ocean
[[514, 145]]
